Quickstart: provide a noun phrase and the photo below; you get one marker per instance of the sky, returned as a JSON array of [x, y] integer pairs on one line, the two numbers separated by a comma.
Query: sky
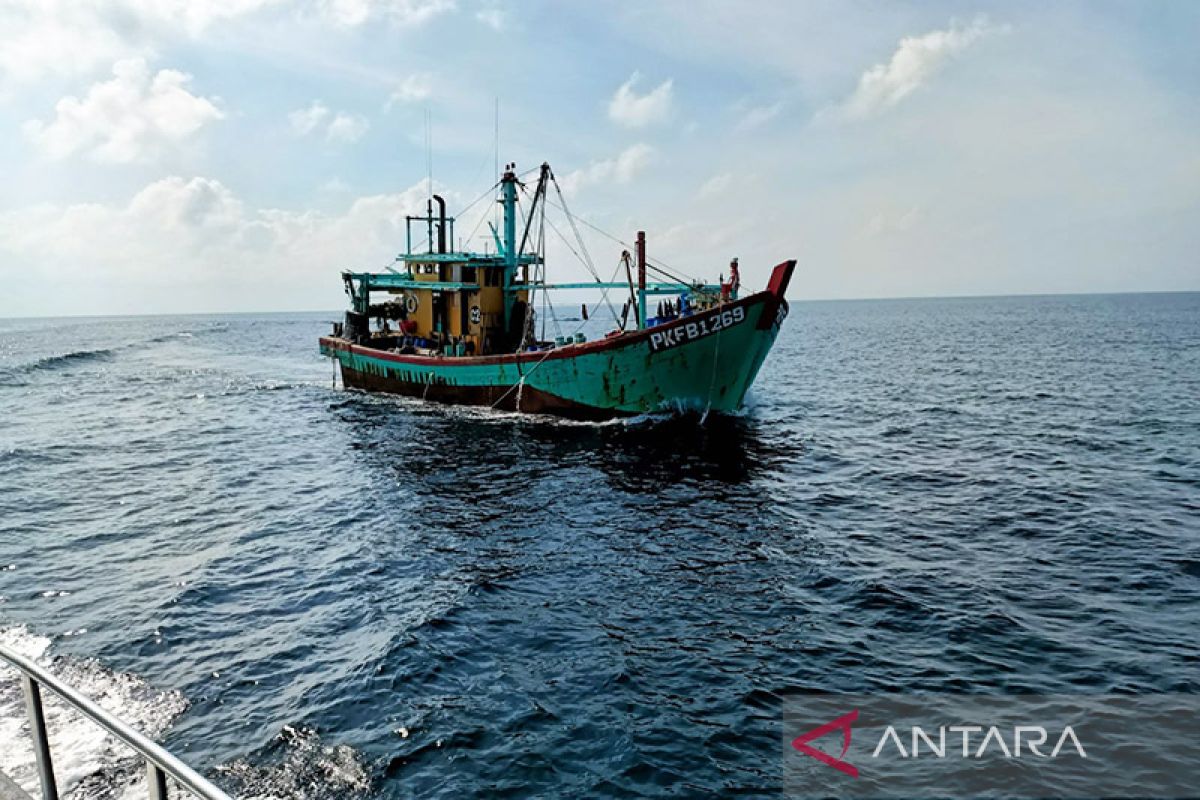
[[176, 156]]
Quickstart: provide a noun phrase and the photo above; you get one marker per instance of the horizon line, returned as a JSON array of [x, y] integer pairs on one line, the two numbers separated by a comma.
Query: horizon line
[[789, 300]]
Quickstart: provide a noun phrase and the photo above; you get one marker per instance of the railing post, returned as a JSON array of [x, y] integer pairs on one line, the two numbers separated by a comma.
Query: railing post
[[156, 780], [41, 743]]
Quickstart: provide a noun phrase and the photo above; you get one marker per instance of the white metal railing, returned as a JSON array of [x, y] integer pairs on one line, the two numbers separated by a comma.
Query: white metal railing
[[159, 763]]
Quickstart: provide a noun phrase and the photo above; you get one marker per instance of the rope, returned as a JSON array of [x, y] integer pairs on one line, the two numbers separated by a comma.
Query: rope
[[524, 375], [661, 268], [521, 381]]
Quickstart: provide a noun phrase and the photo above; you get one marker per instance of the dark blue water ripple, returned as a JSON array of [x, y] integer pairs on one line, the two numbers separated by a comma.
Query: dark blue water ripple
[[360, 595]]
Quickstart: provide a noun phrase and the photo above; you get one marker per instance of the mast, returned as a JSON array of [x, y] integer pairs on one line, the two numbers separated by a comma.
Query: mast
[[508, 197], [539, 194], [641, 269]]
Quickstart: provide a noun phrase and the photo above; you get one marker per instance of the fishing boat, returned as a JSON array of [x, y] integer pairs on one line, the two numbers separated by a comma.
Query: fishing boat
[[455, 326]]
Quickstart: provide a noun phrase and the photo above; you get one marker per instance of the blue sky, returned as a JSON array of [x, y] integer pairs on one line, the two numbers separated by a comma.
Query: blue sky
[[172, 156]]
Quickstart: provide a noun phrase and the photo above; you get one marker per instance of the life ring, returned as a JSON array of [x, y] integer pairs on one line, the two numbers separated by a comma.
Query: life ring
[[411, 303]]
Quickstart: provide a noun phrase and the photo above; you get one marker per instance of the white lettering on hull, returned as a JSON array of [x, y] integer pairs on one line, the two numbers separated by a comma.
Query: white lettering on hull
[[690, 332]]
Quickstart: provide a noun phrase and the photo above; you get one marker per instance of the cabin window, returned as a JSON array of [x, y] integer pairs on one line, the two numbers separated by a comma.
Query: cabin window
[[468, 274]]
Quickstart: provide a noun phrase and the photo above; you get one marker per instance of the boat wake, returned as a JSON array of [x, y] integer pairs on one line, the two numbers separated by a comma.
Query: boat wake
[[92, 765], [88, 762], [671, 415]]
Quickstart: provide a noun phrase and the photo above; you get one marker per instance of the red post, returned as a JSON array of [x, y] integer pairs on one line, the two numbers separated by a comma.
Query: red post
[[641, 266]]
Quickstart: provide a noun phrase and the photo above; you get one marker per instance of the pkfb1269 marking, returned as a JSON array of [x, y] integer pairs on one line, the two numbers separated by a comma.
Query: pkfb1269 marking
[[682, 334]]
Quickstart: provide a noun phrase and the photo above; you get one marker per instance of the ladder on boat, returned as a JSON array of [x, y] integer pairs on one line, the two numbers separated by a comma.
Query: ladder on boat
[[160, 765]]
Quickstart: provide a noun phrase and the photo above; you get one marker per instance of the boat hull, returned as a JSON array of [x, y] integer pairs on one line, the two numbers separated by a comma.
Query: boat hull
[[703, 362]]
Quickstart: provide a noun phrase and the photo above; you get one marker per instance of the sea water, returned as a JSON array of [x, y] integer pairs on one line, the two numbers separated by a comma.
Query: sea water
[[308, 593]]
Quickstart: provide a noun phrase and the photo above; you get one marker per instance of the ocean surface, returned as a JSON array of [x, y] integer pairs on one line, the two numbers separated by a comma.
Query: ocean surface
[[312, 593]]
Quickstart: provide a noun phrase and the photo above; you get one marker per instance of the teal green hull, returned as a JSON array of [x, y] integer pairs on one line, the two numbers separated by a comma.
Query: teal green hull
[[705, 362]]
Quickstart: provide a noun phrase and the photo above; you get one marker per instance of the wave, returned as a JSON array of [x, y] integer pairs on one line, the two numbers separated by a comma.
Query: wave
[[88, 762], [77, 357], [309, 769], [170, 337], [63, 360]]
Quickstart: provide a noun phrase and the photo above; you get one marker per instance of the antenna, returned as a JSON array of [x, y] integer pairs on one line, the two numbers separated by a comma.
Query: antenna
[[429, 145], [496, 173]]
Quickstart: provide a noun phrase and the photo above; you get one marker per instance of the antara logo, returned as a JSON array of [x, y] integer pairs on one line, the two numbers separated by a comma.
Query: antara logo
[[1032, 737], [843, 724]]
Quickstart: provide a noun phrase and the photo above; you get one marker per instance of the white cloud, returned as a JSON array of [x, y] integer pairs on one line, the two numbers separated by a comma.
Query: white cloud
[[306, 120], [173, 204], [634, 110], [757, 116], [194, 15], [916, 60], [132, 117], [37, 38], [216, 248], [161, 224], [494, 18], [341, 127], [73, 37], [347, 128], [403, 13], [413, 89], [621, 169]]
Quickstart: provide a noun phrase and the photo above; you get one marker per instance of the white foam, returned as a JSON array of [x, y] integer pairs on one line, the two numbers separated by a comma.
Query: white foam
[[88, 762], [308, 770], [91, 765]]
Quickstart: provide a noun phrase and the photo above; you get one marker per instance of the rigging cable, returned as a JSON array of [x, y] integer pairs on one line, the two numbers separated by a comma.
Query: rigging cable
[[545, 303], [519, 385], [661, 267], [578, 238]]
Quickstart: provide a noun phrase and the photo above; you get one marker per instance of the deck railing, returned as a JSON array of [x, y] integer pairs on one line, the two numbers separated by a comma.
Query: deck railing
[[160, 765]]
